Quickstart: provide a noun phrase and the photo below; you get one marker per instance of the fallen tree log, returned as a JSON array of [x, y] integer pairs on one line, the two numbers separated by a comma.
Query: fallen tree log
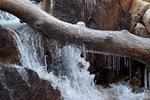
[[118, 42]]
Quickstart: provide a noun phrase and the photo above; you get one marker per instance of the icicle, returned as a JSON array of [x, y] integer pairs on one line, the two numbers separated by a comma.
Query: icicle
[[109, 60], [124, 61], [83, 51], [130, 67], [92, 53], [145, 78], [149, 80], [119, 64], [45, 62], [113, 60], [128, 63], [105, 58], [116, 64], [147, 83]]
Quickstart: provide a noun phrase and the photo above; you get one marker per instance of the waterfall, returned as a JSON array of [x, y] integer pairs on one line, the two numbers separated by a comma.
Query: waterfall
[[76, 80], [69, 71], [72, 79]]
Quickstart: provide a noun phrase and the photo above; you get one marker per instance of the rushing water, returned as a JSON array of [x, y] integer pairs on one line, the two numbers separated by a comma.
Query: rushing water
[[68, 73]]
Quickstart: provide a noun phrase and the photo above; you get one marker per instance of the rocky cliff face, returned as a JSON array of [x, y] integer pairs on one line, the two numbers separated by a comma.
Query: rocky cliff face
[[97, 14]]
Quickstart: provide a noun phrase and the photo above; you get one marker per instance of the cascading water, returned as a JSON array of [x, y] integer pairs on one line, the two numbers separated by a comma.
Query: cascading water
[[72, 78], [69, 70], [73, 81], [76, 80]]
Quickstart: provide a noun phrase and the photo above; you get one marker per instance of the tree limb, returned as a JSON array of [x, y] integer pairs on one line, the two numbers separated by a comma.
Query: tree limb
[[118, 42]]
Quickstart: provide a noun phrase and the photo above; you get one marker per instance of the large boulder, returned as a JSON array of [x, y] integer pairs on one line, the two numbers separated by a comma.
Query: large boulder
[[18, 83], [8, 50]]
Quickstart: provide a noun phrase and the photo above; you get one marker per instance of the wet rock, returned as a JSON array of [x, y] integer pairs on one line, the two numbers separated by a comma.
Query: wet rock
[[8, 50], [141, 30], [137, 10], [146, 20], [109, 15], [74, 10], [14, 86], [97, 14], [65, 10], [42, 90], [125, 4]]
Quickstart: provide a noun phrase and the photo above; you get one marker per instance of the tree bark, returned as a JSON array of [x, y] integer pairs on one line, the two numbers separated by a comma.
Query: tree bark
[[118, 42]]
